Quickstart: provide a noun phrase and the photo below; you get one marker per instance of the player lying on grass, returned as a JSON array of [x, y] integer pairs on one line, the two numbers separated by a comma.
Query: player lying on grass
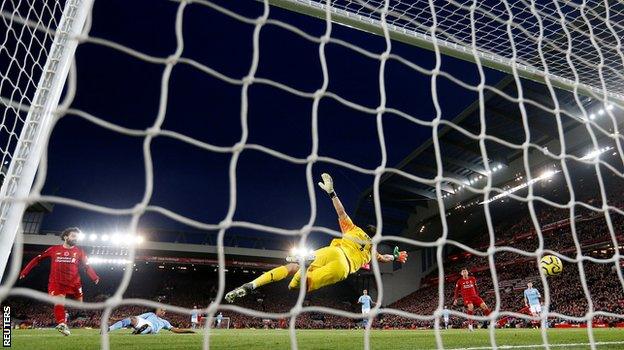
[[330, 264], [64, 280], [467, 286], [148, 323]]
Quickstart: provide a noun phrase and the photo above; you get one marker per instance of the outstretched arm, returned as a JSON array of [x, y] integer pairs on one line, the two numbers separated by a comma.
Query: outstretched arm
[[168, 326], [328, 186], [340, 210], [398, 255], [34, 262], [385, 258]]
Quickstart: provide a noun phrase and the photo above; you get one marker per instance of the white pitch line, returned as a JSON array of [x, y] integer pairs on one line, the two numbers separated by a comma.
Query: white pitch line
[[539, 346]]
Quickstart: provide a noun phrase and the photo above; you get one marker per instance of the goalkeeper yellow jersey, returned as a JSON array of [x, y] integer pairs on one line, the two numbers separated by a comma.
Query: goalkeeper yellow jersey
[[355, 244]]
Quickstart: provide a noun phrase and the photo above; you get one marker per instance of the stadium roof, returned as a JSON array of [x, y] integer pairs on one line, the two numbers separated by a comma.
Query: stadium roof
[[402, 198]]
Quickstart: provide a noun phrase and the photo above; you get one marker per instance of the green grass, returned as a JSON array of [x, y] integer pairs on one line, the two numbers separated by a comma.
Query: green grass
[[249, 339]]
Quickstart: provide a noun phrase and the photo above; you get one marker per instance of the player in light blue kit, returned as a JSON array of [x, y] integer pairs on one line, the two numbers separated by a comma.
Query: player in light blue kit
[[366, 302], [148, 323], [194, 317], [219, 319], [532, 299], [445, 315]]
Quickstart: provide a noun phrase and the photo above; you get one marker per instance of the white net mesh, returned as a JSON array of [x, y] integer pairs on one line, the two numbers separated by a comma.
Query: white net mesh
[[24, 50], [589, 31], [571, 44], [36, 56]]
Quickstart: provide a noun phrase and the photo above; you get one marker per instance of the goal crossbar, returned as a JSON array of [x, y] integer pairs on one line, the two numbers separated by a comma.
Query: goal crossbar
[[460, 50]]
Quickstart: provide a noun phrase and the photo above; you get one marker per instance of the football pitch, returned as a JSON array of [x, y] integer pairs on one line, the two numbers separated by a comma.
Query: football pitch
[[248, 339]]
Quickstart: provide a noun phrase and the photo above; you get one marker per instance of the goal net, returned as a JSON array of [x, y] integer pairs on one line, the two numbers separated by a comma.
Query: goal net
[[554, 112], [37, 50]]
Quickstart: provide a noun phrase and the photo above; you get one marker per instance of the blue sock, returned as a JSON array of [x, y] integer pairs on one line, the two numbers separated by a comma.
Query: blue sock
[[120, 324]]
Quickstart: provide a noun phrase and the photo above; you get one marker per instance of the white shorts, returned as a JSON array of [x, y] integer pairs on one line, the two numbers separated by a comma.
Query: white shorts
[[365, 311], [193, 320], [536, 309], [141, 322], [446, 320]]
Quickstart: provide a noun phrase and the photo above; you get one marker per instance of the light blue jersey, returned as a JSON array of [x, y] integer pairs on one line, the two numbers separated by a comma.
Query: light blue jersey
[[366, 301], [532, 296], [445, 314], [157, 322]]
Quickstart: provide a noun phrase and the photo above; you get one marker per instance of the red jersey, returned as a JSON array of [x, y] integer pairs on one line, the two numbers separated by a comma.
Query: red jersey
[[467, 287], [64, 263]]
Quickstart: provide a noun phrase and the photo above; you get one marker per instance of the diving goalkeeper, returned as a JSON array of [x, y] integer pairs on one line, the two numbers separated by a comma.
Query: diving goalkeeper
[[331, 264]]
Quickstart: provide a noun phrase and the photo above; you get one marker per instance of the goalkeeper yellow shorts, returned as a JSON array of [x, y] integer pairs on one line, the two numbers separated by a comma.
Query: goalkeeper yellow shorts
[[329, 266]]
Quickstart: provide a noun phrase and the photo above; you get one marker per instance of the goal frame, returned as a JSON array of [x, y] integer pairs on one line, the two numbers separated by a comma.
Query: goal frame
[[487, 59], [38, 125]]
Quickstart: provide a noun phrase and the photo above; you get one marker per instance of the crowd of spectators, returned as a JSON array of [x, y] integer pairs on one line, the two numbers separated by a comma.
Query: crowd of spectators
[[567, 295], [194, 289], [566, 292]]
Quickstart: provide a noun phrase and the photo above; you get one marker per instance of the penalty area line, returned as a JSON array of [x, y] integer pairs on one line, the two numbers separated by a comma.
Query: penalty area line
[[534, 346]]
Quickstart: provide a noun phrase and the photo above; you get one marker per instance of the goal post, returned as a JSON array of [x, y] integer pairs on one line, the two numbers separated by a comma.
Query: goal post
[[37, 125]]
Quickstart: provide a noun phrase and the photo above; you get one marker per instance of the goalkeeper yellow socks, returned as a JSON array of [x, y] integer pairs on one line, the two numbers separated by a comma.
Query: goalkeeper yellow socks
[[277, 274]]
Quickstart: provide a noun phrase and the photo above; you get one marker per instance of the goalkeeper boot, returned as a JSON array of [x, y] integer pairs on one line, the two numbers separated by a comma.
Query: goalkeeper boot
[[63, 329], [239, 292]]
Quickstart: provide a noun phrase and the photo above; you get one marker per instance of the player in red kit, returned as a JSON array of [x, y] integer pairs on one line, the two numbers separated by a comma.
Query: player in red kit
[[64, 278], [467, 286]]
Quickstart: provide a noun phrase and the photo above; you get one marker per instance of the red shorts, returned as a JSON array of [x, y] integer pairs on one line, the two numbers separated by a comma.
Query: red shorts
[[70, 292], [474, 300]]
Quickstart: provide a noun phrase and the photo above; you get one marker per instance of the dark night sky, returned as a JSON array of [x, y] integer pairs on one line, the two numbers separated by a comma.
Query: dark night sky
[[95, 165]]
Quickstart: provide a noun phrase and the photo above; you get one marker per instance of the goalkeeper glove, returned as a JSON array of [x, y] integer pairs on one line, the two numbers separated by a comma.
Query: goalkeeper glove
[[400, 256], [327, 185]]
